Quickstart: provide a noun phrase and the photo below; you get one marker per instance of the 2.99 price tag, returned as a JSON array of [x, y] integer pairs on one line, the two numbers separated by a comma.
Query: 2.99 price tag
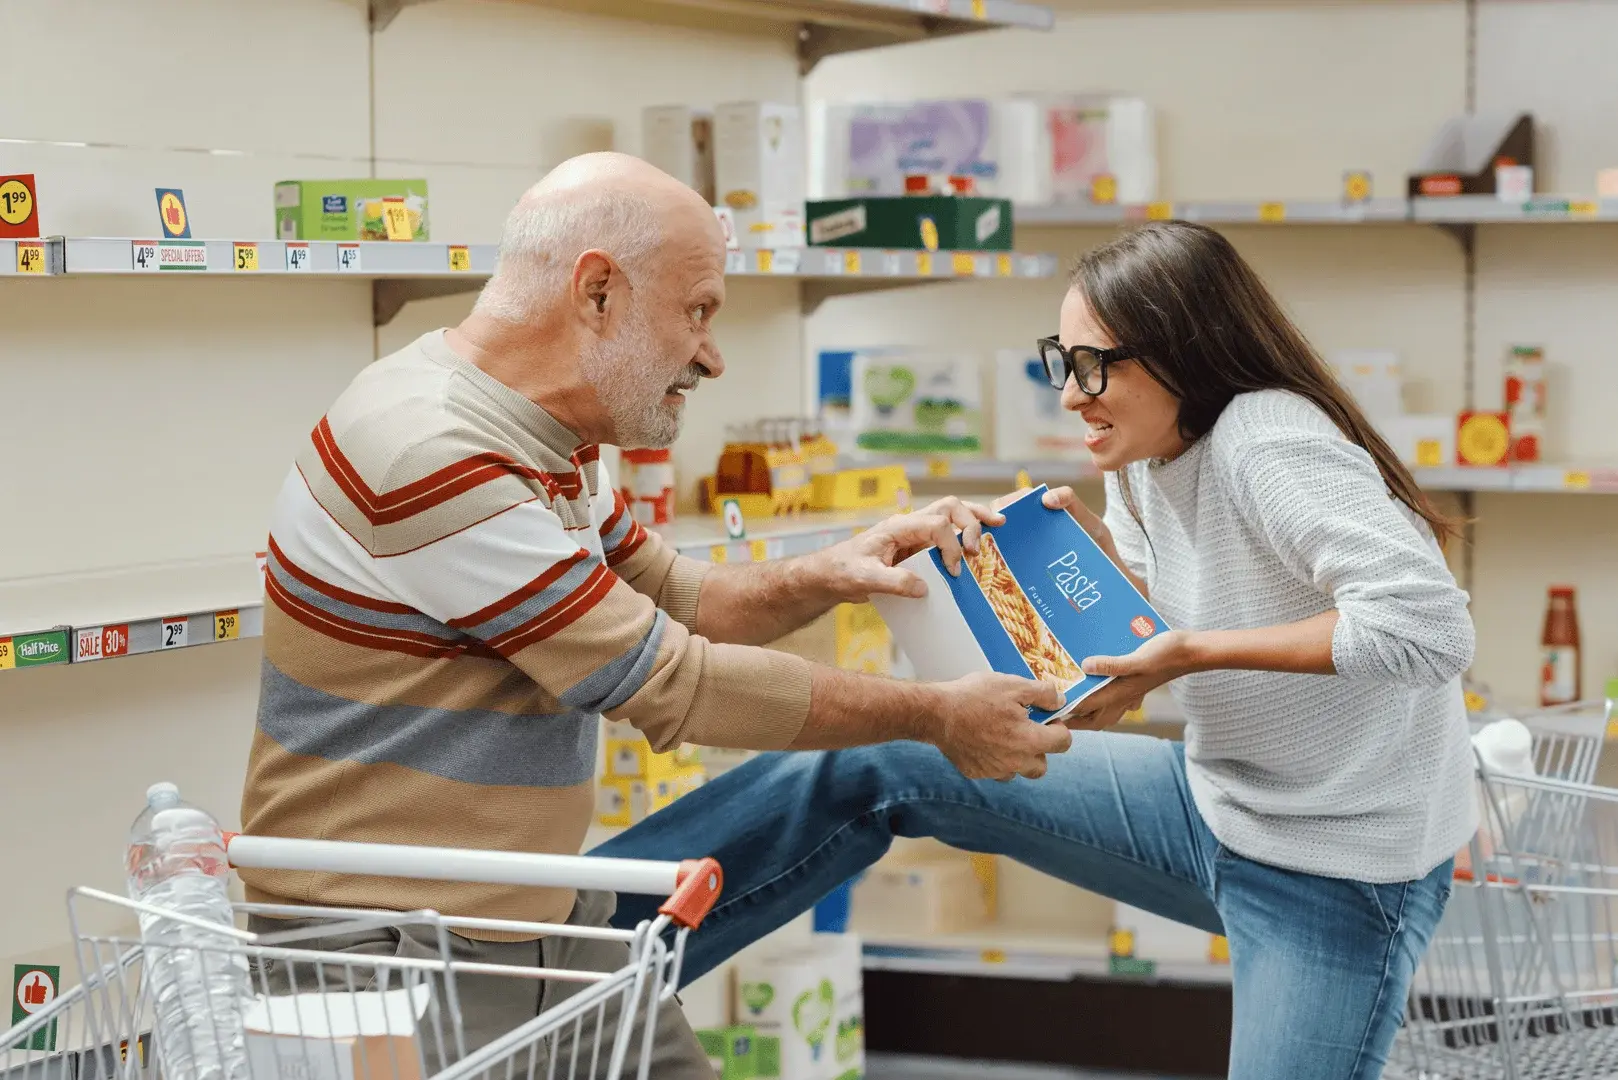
[[176, 633]]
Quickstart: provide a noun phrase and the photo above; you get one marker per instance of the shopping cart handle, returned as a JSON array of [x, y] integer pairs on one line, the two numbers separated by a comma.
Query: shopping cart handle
[[691, 886], [700, 883]]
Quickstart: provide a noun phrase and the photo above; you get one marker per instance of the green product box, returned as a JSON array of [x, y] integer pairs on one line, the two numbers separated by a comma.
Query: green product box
[[927, 222], [348, 209], [733, 1051]]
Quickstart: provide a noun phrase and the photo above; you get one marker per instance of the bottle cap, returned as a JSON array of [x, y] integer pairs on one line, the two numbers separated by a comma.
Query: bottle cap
[[1561, 590], [162, 793]]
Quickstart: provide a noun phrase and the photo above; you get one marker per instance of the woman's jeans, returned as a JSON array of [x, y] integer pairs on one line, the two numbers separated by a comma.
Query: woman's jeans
[[1320, 966]]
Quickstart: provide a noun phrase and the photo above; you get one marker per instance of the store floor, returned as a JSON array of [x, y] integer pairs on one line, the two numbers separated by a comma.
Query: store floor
[[906, 1067]]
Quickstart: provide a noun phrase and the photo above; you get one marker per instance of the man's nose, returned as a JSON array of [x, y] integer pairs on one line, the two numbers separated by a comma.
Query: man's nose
[[712, 363]]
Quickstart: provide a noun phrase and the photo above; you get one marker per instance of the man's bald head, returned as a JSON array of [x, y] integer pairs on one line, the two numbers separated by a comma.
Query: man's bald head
[[600, 307], [614, 203]]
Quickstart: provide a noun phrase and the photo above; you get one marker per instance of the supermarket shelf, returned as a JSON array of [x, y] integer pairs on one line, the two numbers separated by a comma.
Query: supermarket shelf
[[828, 27], [1290, 211], [86, 617], [402, 272], [1458, 210], [1003, 953], [1549, 478]]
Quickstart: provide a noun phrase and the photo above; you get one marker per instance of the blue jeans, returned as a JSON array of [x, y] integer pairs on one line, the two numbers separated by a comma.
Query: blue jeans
[[1320, 966]]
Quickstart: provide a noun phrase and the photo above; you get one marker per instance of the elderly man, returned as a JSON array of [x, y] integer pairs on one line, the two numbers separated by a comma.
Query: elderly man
[[455, 595]]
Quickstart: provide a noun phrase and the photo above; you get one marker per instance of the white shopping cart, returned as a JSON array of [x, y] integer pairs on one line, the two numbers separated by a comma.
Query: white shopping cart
[[1521, 979], [340, 1016]]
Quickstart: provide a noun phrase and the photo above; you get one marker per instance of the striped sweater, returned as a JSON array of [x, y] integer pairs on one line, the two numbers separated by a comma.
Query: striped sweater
[[454, 596]]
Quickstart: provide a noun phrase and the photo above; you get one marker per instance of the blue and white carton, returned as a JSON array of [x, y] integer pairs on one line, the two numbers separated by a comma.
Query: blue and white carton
[[1037, 599]]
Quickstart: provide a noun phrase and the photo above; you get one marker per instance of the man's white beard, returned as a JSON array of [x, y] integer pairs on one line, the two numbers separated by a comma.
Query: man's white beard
[[630, 387]]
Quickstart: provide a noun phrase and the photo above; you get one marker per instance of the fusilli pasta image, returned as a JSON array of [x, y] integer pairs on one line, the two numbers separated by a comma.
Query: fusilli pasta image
[[1045, 655]]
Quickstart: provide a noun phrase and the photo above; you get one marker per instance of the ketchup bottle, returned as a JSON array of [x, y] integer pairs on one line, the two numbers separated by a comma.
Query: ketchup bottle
[[1559, 673]]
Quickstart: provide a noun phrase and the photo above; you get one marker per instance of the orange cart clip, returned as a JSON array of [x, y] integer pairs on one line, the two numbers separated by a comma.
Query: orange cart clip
[[697, 889]]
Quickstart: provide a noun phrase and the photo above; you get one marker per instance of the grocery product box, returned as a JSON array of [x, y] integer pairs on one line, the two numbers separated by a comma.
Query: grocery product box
[[1425, 440], [350, 209], [1029, 421], [905, 402], [337, 1036], [928, 895], [869, 149], [806, 1005], [1084, 148], [1037, 598], [759, 171], [732, 1051], [679, 140], [1140, 941], [922, 222]]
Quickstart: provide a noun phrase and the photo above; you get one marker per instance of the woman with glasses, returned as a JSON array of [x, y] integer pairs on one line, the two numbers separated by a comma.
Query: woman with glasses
[[1311, 813]]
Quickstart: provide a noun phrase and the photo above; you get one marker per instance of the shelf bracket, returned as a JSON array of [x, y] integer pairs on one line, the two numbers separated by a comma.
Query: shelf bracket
[[384, 12], [390, 295]]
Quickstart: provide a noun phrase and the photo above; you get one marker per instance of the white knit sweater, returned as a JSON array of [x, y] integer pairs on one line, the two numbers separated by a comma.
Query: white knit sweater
[[1272, 517]]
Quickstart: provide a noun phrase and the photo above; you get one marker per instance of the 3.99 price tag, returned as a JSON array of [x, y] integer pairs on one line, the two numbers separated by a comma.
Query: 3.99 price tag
[[227, 626]]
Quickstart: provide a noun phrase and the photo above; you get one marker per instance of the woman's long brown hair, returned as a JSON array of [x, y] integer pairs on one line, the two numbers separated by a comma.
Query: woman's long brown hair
[[1201, 322]]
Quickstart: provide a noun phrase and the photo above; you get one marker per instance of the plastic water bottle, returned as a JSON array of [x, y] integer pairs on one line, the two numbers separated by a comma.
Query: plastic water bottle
[[196, 984]]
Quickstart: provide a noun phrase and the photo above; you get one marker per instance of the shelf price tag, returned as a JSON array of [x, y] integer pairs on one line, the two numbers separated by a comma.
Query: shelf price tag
[[938, 468], [100, 642], [348, 258], [1159, 211], [1272, 213], [143, 254], [851, 262], [1429, 453], [30, 257], [759, 550], [460, 259], [1024, 481], [1002, 266], [1583, 208], [718, 554], [176, 633], [396, 220], [962, 263], [786, 261], [297, 258], [227, 626], [1576, 480], [245, 257], [735, 262], [980, 9], [766, 259], [8, 655], [832, 265], [924, 264], [892, 266]]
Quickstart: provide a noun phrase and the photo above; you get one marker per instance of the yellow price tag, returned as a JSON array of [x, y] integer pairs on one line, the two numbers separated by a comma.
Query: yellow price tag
[[1219, 950], [460, 259], [1576, 479], [396, 220], [30, 257], [1356, 186], [8, 655], [1104, 189], [1024, 480], [766, 259], [993, 956], [1002, 265], [1583, 208], [980, 9], [758, 550], [1272, 213], [227, 626], [1121, 943], [924, 263], [718, 554], [1159, 211], [962, 263], [1475, 701], [851, 262], [1429, 453], [246, 256], [938, 468]]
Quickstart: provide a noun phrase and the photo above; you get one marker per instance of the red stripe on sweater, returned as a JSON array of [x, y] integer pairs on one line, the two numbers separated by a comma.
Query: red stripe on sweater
[[334, 591], [631, 543], [332, 626], [528, 591], [557, 618]]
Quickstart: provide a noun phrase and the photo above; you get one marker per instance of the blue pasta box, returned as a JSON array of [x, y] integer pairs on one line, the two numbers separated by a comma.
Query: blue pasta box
[[1037, 599]]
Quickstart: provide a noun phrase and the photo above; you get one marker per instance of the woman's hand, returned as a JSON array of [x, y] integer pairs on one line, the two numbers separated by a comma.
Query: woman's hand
[[1161, 660], [1063, 498]]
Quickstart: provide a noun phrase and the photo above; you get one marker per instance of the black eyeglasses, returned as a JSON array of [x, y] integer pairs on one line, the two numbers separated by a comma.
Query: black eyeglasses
[[1087, 366]]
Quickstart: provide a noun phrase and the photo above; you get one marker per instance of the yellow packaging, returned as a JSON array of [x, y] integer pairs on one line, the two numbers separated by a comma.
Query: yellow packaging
[[633, 759], [863, 640], [620, 803]]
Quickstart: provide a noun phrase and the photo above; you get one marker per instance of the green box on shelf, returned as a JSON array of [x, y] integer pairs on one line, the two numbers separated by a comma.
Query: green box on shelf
[[922, 222], [347, 209], [733, 1052]]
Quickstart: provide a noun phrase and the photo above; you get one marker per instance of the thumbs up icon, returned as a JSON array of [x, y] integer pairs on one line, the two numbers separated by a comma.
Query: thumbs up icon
[[34, 992]]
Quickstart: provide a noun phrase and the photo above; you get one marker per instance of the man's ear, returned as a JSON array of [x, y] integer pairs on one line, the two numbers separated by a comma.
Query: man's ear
[[596, 279]]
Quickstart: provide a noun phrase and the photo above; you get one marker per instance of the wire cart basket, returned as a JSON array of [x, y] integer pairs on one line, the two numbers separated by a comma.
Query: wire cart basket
[[315, 1015], [1520, 981]]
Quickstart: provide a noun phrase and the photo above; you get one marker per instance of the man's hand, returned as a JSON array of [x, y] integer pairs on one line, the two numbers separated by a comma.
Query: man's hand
[[868, 563], [1161, 660], [984, 729]]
